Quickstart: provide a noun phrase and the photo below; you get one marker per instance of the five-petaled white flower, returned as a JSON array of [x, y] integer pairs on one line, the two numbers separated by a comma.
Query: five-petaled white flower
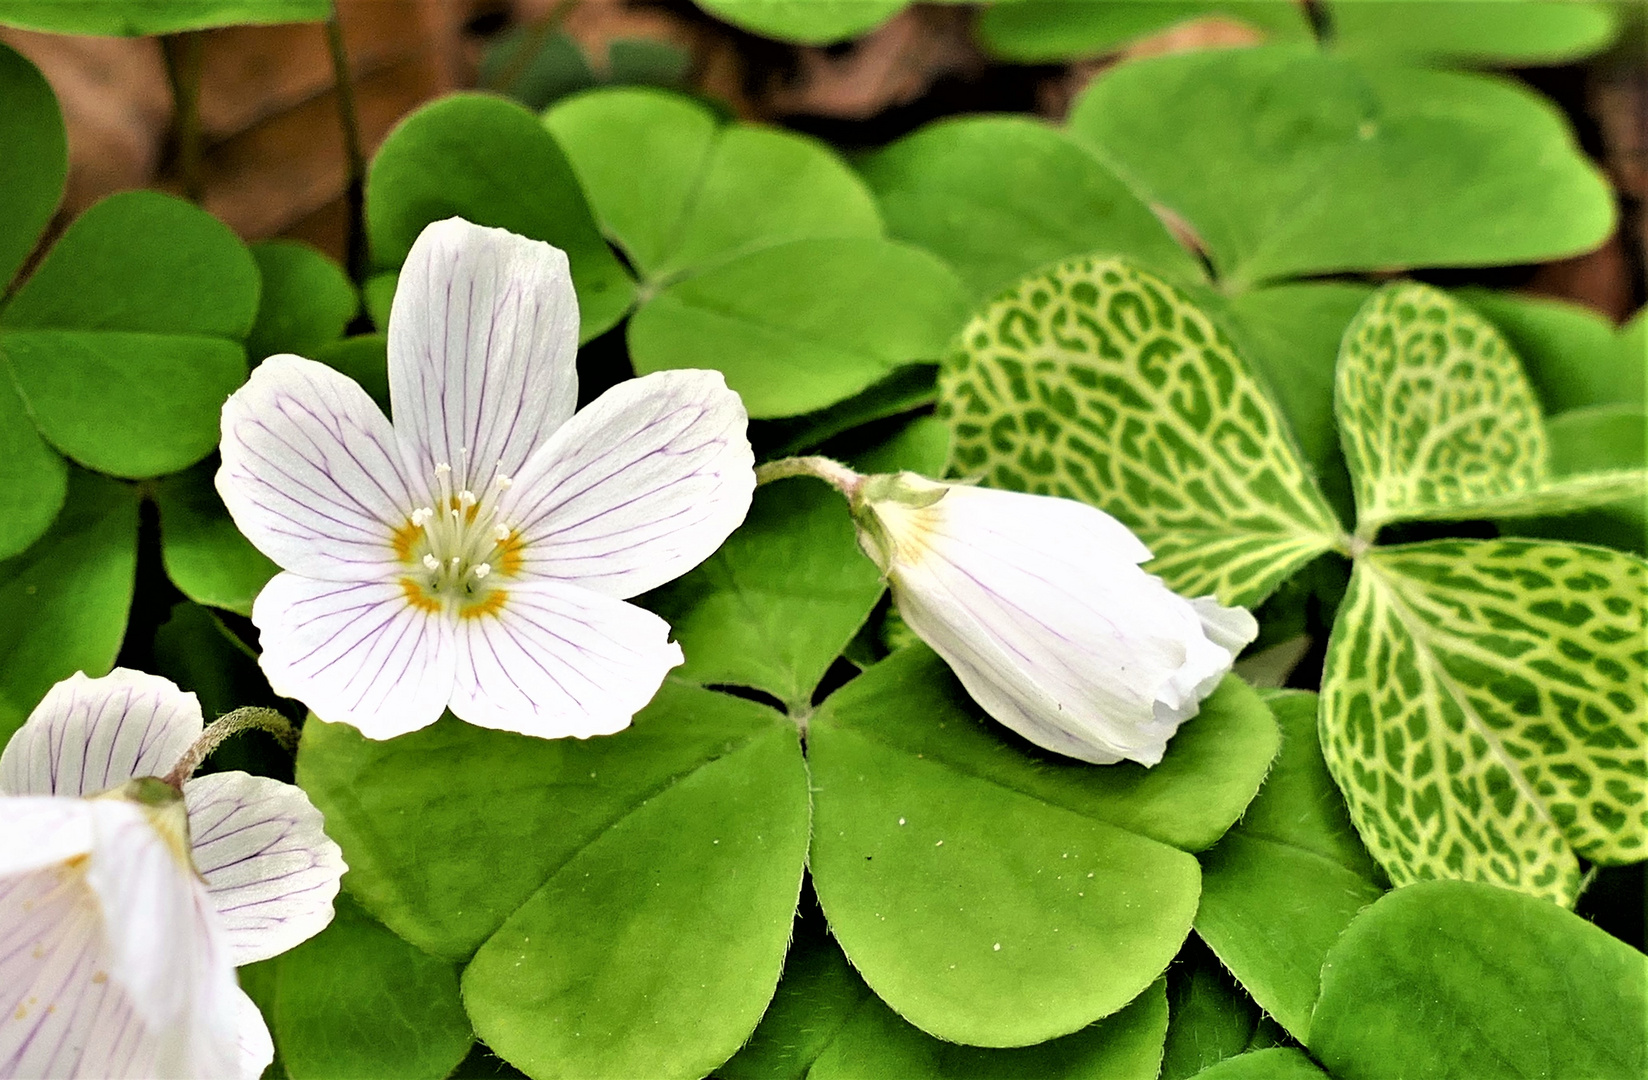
[[126, 905], [1041, 609], [477, 553]]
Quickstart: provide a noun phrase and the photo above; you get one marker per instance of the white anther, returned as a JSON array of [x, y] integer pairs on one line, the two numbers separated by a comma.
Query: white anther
[[502, 533], [503, 482], [456, 561], [421, 516], [442, 468], [467, 497], [432, 562], [483, 569]]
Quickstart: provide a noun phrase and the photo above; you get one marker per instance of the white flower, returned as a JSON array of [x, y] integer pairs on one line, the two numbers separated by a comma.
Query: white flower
[[477, 554], [125, 906], [1041, 609]]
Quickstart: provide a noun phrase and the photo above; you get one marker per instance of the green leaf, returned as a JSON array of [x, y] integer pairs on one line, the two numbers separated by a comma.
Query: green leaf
[[307, 300], [1276, 1063], [356, 1001], [125, 342], [146, 18], [195, 650], [1291, 334], [654, 950], [1275, 154], [1210, 1019], [1602, 438], [810, 22], [66, 598], [1288, 878], [1573, 356], [921, 446], [490, 161], [679, 190], [781, 598], [33, 478], [905, 390], [1037, 31], [1439, 421], [206, 557], [36, 161], [999, 196], [586, 873], [1450, 978], [805, 324], [1511, 31], [939, 837], [1100, 382], [364, 358], [1483, 711]]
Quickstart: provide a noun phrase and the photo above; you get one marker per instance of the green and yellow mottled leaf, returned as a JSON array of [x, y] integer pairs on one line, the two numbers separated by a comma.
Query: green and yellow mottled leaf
[[1483, 710], [1100, 382], [1435, 412]]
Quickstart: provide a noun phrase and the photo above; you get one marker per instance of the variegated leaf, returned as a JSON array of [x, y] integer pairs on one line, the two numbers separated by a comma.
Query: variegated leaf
[[1100, 382], [1483, 710]]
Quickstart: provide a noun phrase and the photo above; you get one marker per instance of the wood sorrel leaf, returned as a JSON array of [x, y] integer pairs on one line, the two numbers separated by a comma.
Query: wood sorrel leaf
[[996, 895], [1439, 421], [1453, 978], [1274, 1063], [1036, 31], [1274, 155], [357, 1001], [488, 160], [781, 598], [206, 557], [126, 340], [35, 164], [144, 18], [1288, 878], [680, 190], [33, 476], [67, 597], [812, 22], [1574, 357], [998, 196], [1520, 31], [1483, 710], [825, 1024], [1100, 382], [565, 866], [307, 300], [802, 325]]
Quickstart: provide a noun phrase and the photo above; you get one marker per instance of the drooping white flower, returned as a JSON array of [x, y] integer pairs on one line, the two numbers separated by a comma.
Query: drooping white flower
[[126, 905], [478, 552], [1041, 609]]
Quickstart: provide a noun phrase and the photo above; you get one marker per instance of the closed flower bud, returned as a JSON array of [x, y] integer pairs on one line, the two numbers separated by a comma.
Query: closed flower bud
[[1040, 607]]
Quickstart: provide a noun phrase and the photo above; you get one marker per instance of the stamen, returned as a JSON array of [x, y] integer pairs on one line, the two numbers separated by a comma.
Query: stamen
[[421, 516], [467, 497], [502, 532], [483, 569], [431, 562], [442, 468], [503, 483]]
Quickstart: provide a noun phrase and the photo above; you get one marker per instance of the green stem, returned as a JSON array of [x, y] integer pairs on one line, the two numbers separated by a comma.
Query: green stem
[[249, 718], [354, 191], [183, 64]]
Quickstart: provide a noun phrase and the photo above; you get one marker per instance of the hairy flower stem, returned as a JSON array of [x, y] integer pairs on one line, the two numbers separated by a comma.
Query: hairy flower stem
[[831, 472], [233, 723]]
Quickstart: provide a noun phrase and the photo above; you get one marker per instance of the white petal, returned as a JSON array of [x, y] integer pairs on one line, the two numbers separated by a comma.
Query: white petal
[[638, 488], [1042, 612], [483, 334], [312, 472], [89, 735], [355, 653], [270, 868], [41, 830], [256, 1047], [166, 948], [555, 660]]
